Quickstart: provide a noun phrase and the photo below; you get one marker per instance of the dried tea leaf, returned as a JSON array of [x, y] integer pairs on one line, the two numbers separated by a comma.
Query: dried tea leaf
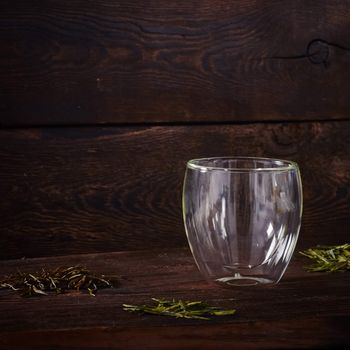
[[57, 280], [37, 291], [181, 309], [334, 258]]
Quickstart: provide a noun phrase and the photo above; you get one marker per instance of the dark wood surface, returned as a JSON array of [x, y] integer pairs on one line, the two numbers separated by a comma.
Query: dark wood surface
[[305, 310], [172, 80], [80, 62], [84, 190]]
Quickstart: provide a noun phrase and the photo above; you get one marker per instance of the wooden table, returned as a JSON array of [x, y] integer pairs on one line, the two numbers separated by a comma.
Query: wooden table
[[305, 310]]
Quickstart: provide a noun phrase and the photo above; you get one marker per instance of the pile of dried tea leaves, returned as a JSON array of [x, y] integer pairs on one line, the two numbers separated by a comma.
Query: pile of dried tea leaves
[[178, 308], [334, 258], [57, 280]]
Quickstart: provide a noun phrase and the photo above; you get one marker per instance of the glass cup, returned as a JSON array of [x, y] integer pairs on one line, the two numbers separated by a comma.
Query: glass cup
[[242, 217]]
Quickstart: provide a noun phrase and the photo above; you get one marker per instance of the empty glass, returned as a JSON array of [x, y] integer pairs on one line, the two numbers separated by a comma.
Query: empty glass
[[242, 217]]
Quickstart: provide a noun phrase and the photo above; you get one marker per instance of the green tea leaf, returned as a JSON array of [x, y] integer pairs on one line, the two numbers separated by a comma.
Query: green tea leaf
[[224, 312], [329, 258], [180, 309]]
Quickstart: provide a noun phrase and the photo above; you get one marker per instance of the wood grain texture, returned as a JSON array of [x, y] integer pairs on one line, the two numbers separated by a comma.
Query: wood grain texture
[[305, 310], [132, 61], [84, 190]]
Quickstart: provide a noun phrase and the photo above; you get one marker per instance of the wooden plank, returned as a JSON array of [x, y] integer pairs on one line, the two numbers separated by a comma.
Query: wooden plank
[[296, 334], [132, 61], [85, 190], [305, 310]]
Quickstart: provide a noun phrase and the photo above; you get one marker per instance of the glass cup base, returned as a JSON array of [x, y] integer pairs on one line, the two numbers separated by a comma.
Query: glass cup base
[[239, 280]]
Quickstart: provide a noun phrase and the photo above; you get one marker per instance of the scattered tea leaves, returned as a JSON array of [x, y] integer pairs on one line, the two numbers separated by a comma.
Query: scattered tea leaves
[[181, 309], [57, 280], [329, 258]]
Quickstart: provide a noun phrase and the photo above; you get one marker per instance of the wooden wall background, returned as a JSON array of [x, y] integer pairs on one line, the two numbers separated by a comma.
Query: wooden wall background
[[102, 103]]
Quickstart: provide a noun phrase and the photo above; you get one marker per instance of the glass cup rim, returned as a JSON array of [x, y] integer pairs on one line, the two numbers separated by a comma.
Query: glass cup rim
[[283, 165]]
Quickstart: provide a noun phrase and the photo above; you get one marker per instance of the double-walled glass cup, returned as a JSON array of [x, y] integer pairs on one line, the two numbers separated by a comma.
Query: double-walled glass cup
[[242, 217]]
